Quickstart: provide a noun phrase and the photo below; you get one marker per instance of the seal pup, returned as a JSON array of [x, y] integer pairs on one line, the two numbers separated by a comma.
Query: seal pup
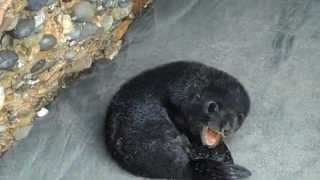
[[170, 121]]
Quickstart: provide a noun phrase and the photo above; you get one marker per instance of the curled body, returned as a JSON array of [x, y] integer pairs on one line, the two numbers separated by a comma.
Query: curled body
[[170, 121]]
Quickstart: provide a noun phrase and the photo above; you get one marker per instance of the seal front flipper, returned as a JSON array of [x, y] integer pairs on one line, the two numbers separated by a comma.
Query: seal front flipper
[[220, 153], [205, 169]]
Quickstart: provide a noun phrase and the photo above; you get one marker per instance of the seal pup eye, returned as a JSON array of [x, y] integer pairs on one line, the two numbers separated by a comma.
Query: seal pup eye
[[212, 107]]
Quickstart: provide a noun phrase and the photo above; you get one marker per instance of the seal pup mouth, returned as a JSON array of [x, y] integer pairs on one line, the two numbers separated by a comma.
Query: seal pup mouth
[[211, 137]]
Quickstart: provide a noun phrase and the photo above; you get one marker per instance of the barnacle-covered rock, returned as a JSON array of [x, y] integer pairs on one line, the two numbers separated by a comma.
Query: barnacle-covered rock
[[42, 43]]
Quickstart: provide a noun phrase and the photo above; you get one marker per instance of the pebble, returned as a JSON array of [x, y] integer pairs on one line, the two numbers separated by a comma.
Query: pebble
[[13, 23], [76, 31], [42, 112], [9, 23], [115, 3], [70, 55], [47, 42], [8, 59], [84, 11], [39, 20], [107, 22], [88, 30], [6, 41], [2, 97], [23, 132], [50, 2], [109, 3], [35, 5], [123, 3], [82, 32], [24, 28], [38, 66]]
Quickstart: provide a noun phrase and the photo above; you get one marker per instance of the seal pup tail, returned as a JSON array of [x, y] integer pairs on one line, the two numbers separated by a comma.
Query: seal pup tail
[[204, 169]]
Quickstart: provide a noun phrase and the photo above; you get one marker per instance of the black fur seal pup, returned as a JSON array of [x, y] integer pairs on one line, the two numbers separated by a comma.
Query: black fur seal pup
[[169, 122]]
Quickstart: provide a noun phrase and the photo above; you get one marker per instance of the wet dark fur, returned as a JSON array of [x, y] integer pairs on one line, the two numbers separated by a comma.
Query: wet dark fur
[[154, 121]]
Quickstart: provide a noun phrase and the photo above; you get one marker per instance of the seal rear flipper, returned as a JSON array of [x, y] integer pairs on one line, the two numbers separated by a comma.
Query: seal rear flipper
[[213, 170]]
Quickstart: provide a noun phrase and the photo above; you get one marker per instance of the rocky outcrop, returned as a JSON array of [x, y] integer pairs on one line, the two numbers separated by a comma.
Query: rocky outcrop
[[43, 42]]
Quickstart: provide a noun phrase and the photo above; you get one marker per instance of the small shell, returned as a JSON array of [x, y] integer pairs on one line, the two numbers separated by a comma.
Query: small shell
[[42, 112]]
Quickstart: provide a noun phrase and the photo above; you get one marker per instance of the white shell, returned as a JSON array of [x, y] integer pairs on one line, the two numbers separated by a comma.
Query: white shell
[[42, 112]]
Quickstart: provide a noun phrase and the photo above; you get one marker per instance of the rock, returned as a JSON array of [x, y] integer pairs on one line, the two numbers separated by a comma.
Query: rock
[[6, 41], [107, 22], [51, 2], [47, 42], [84, 11], [88, 30], [23, 132], [24, 28], [42, 112], [123, 3], [8, 59], [35, 5], [76, 31], [9, 23], [39, 20], [83, 31], [2, 97], [38, 66], [38, 55], [70, 55]]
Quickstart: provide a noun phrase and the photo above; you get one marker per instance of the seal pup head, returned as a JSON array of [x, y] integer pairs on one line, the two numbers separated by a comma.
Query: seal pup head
[[218, 110]]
